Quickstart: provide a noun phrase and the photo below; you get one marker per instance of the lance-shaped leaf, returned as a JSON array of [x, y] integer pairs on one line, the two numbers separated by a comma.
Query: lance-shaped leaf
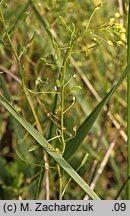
[[83, 130]]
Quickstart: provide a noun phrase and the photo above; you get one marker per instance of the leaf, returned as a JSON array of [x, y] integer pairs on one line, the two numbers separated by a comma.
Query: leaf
[[54, 43], [37, 13], [83, 130], [48, 30], [33, 148], [76, 88], [64, 23], [58, 84], [24, 16], [22, 10], [48, 148]]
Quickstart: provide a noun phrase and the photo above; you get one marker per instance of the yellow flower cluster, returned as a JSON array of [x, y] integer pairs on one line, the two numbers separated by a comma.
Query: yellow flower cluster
[[118, 30]]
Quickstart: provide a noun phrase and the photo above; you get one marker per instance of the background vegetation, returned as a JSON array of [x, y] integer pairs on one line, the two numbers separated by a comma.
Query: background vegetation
[[34, 39]]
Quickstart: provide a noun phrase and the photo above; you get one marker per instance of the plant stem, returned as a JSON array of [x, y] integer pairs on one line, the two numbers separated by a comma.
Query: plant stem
[[60, 181], [39, 128], [63, 77], [128, 103], [62, 107]]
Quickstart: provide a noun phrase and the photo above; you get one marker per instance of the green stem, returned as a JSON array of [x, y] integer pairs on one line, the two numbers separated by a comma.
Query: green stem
[[128, 103], [60, 181], [63, 77], [62, 106], [20, 69]]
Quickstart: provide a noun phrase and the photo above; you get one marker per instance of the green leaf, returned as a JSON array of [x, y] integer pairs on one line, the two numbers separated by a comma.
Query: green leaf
[[64, 23], [22, 10], [48, 30], [33, 148], [24, 16], [76, 88], [54, 43], [37, 13], [83, 130], [48, 148], [58, 84]]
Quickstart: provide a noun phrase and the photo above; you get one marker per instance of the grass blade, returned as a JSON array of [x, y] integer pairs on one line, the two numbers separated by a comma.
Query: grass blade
[[51, 151], [87, 124]]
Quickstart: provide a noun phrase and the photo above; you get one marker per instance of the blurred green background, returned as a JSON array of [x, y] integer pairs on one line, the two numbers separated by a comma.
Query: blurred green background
[[97, 61]]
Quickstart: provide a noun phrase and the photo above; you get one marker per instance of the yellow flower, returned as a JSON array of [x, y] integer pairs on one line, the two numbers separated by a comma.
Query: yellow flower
[[111, 21], [120, 43], [97, 2], [120, 25], [110, 43], [123, 37], [122, 30], [117, 15]]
